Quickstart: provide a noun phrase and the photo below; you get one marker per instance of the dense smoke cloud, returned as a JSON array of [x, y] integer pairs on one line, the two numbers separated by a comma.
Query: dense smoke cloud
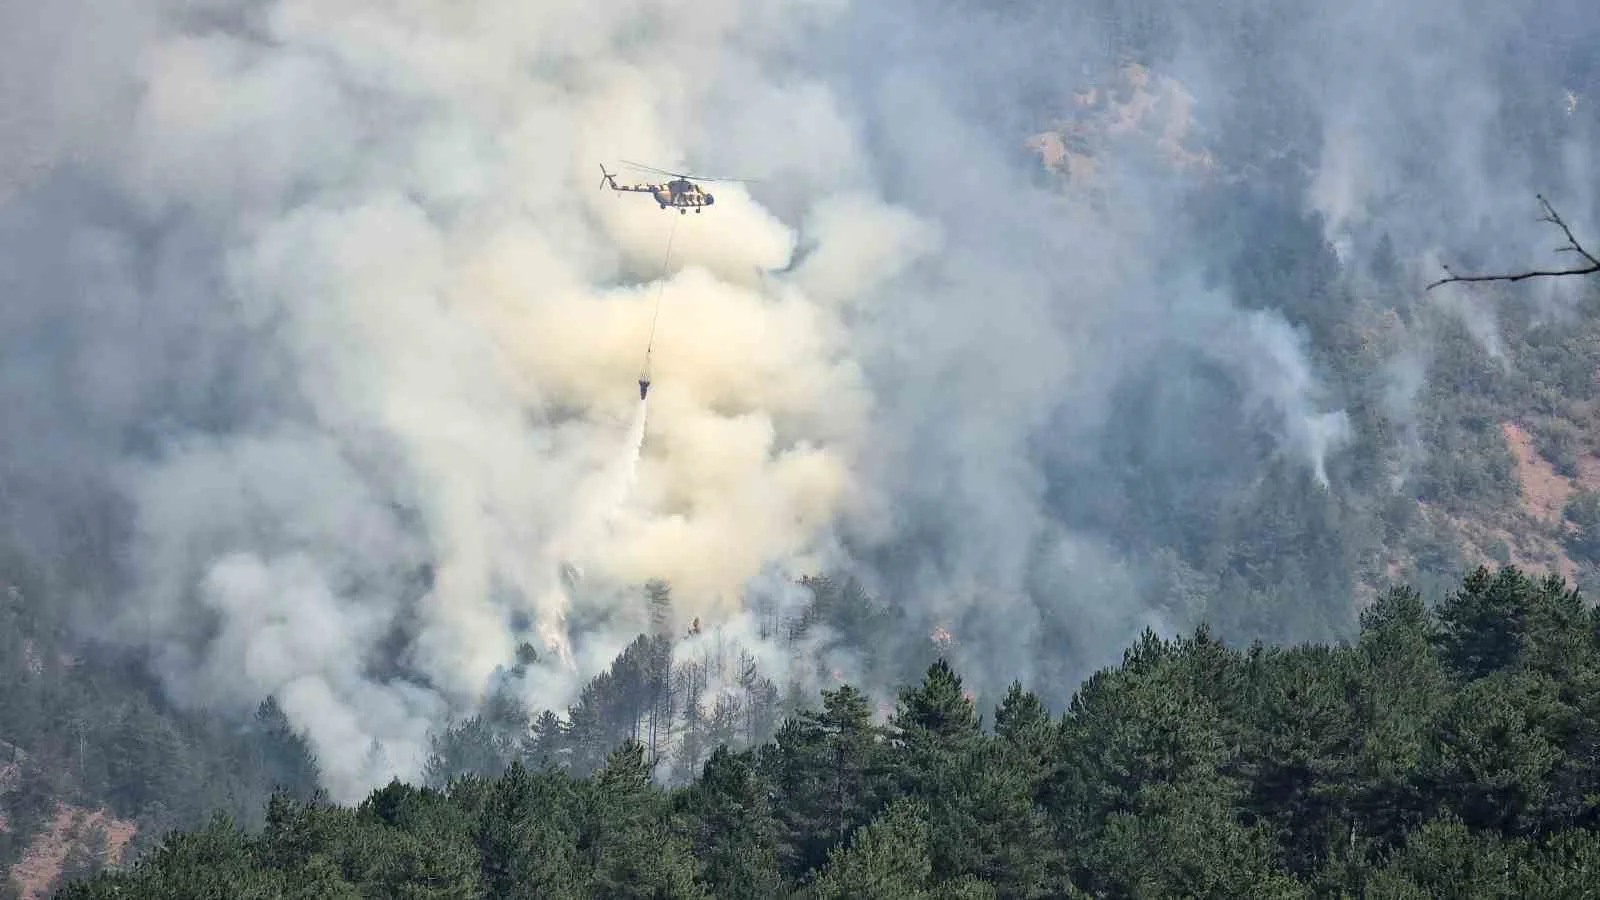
[[326, 295]]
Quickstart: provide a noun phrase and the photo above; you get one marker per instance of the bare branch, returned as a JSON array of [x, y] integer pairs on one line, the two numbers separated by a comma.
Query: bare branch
[[1590, 266]]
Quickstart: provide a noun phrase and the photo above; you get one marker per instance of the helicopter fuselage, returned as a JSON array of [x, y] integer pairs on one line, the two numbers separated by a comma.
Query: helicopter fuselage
[[680, 193], [685, 195]]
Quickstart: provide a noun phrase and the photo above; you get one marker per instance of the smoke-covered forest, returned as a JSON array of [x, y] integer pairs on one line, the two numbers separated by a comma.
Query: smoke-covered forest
[[1443, 754], [1038, 337]]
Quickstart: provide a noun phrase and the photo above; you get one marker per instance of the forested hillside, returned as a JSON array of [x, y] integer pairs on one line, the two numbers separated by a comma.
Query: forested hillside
[[95, 764], [1494, 456], [1448, 752], [1071, 322]]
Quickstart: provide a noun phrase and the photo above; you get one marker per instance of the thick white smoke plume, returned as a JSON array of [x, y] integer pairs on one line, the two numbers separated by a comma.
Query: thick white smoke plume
[[356, 335], [407, 206]]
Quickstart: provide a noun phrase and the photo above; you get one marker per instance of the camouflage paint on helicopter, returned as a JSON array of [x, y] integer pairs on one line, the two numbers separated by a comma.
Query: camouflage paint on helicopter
[[681, 193]]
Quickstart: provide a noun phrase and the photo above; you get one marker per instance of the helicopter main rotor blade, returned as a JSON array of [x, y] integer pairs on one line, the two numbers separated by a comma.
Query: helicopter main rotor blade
[[713, 178], [642, 167], [680, 174]]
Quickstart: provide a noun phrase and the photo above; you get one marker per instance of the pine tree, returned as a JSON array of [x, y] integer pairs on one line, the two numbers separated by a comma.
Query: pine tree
[[733, 830], [526, 826], [659, 595], [937, 711], [830, 770], [887, 858], [1404, 685], [285, 754], [1022, 721], [890, 857], [624, 840], [1482, 626], [546, 743]]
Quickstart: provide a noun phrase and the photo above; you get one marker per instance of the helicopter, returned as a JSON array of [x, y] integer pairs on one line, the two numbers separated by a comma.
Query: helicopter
[[681, 192]]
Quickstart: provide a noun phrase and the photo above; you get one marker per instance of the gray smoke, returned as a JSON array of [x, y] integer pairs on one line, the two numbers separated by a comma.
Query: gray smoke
[[319, 305]]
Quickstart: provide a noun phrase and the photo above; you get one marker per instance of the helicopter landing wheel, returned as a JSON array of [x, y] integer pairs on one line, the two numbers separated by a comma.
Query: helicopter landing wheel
[[697, 210], [682, 211]]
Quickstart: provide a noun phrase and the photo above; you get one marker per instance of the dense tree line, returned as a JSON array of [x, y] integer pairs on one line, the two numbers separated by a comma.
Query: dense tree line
[[1448, 751]]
